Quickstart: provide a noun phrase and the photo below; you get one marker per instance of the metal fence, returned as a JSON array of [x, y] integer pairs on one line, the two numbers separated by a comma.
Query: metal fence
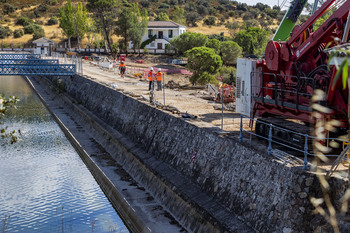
[[306, 151]]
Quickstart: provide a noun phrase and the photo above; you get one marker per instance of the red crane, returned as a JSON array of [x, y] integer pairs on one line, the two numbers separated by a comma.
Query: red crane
[[292, 70]]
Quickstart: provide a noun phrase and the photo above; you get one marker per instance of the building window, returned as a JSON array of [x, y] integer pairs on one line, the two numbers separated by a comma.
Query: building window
[[150, 33], [170, 33]]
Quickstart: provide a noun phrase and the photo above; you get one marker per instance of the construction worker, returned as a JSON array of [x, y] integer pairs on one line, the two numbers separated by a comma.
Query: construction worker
[[159, 77], [122, 69], [150, 78]]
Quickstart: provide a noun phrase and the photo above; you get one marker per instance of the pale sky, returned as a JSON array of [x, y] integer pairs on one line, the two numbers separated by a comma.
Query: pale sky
[[271, 3]]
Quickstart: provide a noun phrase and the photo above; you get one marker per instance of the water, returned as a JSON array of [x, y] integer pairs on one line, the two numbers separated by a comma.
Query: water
[[44, 185]]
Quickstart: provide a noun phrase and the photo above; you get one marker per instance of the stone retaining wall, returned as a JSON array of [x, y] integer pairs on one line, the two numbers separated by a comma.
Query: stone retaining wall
[[269, 196]]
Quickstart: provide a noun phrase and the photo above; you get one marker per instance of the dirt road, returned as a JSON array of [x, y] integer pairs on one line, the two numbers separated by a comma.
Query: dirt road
[[186, 101]]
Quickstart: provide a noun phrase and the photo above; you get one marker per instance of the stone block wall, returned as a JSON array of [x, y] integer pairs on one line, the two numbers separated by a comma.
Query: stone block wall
[[269, 196]]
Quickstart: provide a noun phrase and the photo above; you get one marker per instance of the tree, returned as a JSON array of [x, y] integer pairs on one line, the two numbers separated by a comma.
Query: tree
[[80, 22], [139, 26], [214, 44], [178, 15], [105, 13], [191, 18], [204, 63], [90, 29], [124, 23], [230, 51], [162, 17], [252, 40], [66, 21], [188, 40]]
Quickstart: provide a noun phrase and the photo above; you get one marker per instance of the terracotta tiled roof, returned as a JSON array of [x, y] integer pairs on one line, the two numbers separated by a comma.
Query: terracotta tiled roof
[[163, 24]]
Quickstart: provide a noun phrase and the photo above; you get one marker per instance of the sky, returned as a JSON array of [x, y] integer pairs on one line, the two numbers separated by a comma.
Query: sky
[[271, 3]]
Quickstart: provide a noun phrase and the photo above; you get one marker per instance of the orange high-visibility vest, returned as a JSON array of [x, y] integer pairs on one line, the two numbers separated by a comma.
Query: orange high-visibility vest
[[159, 76], [122, 65], [150, 76]]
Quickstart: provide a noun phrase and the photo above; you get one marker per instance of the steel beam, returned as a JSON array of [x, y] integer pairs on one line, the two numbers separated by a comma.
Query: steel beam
[[15, 56], [30, 70], [28, 62]]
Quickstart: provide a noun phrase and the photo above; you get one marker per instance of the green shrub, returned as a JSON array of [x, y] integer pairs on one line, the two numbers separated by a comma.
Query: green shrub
[[211, 20], [24, 21], [31, 28], [8, 8], [51, 2], [144, 3], [52, 21], [228, 74], [5, 32], [164, 6], [18, 33], [42, 8], [38, 33]]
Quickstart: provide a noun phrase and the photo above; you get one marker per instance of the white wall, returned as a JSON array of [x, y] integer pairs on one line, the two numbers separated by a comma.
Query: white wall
[[244, 104], [154, 45]]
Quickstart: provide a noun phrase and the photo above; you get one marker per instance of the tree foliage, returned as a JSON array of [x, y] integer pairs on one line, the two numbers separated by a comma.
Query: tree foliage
[[214, 44], [188, 40], [138, 26], [66, 18], [124, 25], [204, 63], [80, 22], [178, 15], [162, 17], [230, 51], [105, 13], [252, 40]]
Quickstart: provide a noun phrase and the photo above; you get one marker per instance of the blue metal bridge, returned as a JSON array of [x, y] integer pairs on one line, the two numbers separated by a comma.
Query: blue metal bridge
[[32, 64]]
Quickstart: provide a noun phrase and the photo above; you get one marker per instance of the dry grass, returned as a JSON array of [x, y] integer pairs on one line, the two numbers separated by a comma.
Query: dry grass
[[209, 30]]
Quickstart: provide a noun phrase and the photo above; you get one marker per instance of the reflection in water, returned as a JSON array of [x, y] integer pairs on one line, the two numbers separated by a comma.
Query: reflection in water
[[44, 185]]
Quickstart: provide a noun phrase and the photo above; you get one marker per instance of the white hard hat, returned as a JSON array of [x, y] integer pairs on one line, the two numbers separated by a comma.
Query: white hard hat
[[159, 69], [151, 68]]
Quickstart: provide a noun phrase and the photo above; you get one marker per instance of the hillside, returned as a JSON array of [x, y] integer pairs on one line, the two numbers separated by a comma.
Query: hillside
[[203, 16]]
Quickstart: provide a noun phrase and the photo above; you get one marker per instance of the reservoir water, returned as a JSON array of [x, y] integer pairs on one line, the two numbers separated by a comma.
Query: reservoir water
[[44, 185]]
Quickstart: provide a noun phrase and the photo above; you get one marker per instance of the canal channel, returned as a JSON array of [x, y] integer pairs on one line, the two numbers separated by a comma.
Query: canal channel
[[44, 185]]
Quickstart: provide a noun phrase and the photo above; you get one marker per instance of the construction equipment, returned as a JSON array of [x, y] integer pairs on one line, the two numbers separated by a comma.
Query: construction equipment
[[222, 93], [281, 85]]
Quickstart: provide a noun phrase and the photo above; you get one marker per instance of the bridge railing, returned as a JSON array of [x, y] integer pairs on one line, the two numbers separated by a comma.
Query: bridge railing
[[272, 139], [16, 56], [29, 70], [29, 62]]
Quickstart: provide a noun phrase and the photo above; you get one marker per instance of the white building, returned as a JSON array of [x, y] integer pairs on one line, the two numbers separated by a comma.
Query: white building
[[164, 31], [43, 46]]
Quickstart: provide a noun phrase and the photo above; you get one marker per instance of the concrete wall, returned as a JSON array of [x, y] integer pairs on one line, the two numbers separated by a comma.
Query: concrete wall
[[265, 194]]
